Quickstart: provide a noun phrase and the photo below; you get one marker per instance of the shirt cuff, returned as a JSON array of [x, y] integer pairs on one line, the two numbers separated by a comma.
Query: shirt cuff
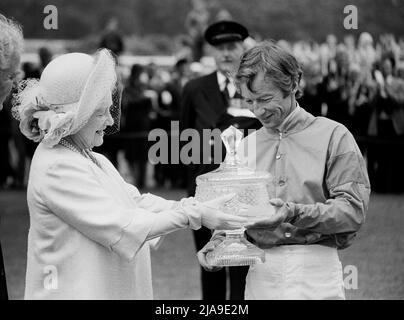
[[189, 207], [134, 234]]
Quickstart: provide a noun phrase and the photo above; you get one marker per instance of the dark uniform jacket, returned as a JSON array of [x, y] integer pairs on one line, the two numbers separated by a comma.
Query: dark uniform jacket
[[204, 106]]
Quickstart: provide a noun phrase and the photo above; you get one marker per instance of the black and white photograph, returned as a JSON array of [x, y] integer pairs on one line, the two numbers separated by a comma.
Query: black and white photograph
[[201, 154]]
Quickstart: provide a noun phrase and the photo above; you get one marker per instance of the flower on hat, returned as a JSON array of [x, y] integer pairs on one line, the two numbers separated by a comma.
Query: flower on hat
[[40, 123]]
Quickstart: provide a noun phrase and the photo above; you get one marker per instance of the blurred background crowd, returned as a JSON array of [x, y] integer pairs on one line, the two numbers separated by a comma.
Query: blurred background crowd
[[356, 79]]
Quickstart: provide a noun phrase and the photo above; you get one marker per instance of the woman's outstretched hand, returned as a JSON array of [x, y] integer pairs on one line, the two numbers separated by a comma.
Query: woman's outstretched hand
[[214, 218]]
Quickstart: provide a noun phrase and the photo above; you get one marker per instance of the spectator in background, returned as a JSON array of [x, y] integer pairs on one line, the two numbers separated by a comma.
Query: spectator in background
[[284, 45], [360, 102], [223, 14], [195, 24], [400, 69], [387, 122], [366, 53], [45, 56], [162, 102], [111, 38], [349, 42], [11, 44], [31, 71], [331, 43], [136, 118], [313, 90], [337, 87], [180, 75], [183, 48], [6, 170], [25, 148]]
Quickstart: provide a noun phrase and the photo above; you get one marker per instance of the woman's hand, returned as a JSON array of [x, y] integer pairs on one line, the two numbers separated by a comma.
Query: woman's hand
[[213, 218], [210, 246], [271, 222]]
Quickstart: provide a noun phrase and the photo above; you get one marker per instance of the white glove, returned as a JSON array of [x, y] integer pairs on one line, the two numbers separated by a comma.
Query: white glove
[[213, 218]]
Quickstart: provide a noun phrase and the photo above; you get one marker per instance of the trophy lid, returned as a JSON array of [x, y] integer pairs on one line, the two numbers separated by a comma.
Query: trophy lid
[[232, 169]]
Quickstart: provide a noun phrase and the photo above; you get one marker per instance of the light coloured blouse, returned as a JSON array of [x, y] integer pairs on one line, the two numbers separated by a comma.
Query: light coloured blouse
[[88, 229]]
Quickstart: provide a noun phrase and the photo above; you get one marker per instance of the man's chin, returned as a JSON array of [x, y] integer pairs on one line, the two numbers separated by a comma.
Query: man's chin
[[269, 125]]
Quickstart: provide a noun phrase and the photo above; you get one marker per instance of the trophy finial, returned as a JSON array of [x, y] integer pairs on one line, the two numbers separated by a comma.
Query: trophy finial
[[231, 138]]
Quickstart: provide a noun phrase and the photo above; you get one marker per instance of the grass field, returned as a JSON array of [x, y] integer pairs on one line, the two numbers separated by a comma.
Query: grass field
[[377, 254]]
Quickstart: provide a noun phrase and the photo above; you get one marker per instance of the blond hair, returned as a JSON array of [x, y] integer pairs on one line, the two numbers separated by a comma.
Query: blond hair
[[277, 64]]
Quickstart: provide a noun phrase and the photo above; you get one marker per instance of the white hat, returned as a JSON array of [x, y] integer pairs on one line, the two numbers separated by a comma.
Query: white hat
[[70, 89]]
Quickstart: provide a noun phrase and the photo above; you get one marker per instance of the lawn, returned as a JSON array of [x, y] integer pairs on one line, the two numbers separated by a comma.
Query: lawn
[[377, 254]]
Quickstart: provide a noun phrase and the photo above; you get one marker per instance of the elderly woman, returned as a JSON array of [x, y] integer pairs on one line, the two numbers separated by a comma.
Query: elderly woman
[[11, 42], [90, 230]]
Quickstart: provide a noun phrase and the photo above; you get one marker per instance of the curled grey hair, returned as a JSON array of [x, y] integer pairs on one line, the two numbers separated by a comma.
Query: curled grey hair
[[278, 65], [11, 40]]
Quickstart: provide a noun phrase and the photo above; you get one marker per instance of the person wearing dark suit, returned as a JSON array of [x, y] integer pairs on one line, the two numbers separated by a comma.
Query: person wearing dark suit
[[211, 102]]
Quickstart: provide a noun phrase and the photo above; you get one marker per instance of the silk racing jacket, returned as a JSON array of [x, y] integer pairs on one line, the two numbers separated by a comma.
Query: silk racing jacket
[[319, 171]]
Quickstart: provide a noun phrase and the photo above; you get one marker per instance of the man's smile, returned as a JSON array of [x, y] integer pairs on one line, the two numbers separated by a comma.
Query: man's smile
[[267, 117]]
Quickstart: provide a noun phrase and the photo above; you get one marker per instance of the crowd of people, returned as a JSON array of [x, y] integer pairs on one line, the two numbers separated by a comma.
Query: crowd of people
[[360, 85]]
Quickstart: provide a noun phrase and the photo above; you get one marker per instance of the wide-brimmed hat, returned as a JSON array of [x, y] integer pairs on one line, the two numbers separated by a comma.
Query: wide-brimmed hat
[[225, 31], [62, 101]]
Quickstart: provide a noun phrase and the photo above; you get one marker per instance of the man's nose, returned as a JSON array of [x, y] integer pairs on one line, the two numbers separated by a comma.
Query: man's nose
[[226, 52], [258, 108]]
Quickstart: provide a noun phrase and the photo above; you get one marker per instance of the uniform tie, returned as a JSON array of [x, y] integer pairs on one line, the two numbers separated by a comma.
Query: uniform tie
[[226, 91]]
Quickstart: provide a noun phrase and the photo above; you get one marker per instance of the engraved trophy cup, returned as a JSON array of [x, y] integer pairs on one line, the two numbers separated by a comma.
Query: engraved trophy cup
[[251, 200]]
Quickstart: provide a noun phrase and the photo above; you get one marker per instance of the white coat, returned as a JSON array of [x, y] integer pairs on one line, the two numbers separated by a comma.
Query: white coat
[[88, 229]]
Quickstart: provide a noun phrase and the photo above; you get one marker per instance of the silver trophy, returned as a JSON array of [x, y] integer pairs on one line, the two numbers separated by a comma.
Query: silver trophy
[[251, 200]]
